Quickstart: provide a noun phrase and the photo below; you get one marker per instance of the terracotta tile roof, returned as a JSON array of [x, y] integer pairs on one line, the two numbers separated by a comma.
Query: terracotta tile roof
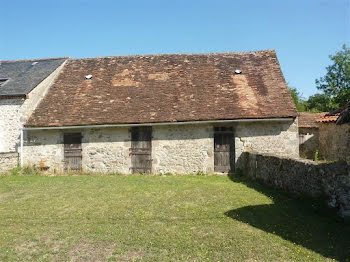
[[339, 116], [166, 88], [309, 120], [328, 119]]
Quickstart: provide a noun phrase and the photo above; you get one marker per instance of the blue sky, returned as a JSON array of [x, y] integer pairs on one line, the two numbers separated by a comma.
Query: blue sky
[[303, 32]]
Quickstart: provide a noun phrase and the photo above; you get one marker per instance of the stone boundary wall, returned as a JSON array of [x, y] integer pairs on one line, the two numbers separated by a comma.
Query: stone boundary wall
[[330, 181], [8, 161]]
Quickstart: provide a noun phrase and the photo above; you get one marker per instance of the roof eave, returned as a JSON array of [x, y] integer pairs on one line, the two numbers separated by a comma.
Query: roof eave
[[283, 119]]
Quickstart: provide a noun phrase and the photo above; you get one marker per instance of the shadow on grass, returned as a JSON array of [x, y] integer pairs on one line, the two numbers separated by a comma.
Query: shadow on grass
[[302, 221]]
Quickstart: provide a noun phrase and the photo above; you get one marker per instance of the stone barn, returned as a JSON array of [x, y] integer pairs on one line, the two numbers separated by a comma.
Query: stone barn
[[335, 135], [22, 85], [309, 134], [181, 113]]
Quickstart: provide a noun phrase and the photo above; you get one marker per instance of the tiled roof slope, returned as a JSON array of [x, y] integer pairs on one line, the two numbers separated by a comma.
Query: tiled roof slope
[[166, 88], [328, 119], [339, 116], [309, 120], [24, 75]]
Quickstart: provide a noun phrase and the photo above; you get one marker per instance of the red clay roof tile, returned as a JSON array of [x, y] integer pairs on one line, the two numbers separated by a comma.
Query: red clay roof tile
[[339, 116], [309, 120], [328, 119]]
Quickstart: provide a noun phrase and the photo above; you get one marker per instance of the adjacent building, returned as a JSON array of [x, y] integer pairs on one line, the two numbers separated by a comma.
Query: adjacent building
[[22, 85], [309, 134], [181, 113], [335, 135]]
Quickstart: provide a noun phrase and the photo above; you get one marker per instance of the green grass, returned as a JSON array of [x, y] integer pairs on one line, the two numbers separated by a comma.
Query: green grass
[[160, 218]]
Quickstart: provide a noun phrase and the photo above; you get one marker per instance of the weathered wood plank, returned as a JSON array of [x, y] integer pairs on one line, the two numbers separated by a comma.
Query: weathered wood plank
[[72, 151], [141, 149], [223, 150]]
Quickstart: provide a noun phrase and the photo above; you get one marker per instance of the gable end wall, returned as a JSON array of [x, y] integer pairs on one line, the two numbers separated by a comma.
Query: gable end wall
[[15, 112]]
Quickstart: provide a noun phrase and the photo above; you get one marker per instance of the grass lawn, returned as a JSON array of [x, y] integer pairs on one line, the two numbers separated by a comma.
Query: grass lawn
[[160, 218]]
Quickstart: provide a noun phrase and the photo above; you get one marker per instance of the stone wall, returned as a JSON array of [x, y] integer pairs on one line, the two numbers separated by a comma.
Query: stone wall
[[107, 150], [278, 138], [103, 149], [335, 142], [179, 149], [183, 149], [10, 124], [176, 149], [8, 161], [44, 146], [14, 113], [302, 177], [308, 142]]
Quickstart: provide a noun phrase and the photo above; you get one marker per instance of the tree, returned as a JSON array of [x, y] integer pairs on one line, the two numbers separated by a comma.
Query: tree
[[298, 99], [336, 82], [320, 103]]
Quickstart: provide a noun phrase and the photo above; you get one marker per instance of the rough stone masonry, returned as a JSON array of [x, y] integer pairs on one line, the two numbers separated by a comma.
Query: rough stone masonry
[[178, 149], [8, 161], [330, 181]]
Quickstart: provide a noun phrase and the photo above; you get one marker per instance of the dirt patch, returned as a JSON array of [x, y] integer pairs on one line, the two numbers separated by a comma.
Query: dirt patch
[[102, 251], [88, 251], [18, 195], [4, 196], [132, 255], [28, 249]]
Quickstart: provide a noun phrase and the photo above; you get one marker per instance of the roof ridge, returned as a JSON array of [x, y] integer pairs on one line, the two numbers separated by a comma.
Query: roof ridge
[[32, 60], [178, 54], [312, 113]]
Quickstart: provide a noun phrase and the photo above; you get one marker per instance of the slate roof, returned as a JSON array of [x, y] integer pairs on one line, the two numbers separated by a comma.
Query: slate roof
[[309, 120], [166, 88], [339, 116], [24, 75]]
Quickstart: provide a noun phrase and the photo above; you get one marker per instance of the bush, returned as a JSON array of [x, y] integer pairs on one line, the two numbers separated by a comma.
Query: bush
[[200, 173], [15, 171], [316, 156], [28, 170]]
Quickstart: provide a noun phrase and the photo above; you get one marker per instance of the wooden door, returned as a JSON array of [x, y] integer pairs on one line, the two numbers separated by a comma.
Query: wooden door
[[141, 149], [72, 151], [223, 150]]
